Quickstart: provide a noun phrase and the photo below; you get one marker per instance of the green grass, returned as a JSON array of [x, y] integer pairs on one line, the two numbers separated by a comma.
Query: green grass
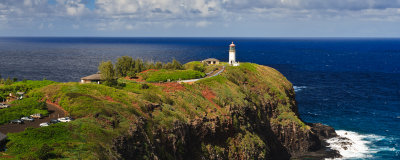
[[35, 84], [26, 145], [134, 87], [195, 65], [21, 86], [172, 75]]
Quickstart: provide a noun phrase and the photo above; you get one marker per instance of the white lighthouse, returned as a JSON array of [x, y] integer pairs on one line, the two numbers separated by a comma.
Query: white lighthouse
[[232, 55]]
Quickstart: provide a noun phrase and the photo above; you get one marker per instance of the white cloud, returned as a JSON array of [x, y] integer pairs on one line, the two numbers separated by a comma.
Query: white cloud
[[202, 24], [129, 27], [28, 3], [114, 15]]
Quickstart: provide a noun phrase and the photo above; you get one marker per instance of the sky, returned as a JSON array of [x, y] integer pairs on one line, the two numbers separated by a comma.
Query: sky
[[200, 18]]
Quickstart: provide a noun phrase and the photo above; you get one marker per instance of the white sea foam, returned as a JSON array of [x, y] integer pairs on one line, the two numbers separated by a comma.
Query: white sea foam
[[298, 88], [353, 145]]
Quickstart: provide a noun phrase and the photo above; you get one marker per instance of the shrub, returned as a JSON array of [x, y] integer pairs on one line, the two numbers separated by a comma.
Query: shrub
[[145, 86], [151, 97], [131, 74], [195, 65]]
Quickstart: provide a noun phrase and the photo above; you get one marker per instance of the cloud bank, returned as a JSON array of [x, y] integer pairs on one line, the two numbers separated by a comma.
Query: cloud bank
[[86, 17]]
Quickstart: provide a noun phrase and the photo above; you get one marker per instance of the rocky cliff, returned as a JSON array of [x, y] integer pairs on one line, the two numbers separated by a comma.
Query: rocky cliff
[[264, 124], [246, 112]]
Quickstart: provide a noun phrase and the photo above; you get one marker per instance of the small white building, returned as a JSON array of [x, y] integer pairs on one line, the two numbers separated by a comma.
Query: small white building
[[94, 78], [232, 55], [210, 61]]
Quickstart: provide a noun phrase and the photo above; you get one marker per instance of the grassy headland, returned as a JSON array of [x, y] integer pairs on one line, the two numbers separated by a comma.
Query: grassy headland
[[228, 116]]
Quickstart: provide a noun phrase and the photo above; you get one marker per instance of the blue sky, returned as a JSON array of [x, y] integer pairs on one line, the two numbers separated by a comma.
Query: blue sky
[[201, 18]]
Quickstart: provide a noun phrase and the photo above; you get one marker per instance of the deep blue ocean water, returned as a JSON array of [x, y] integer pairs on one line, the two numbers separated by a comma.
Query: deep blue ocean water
[[351, 84]]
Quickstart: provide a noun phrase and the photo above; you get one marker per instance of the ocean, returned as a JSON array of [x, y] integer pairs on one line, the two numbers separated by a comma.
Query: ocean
[[351, 84]]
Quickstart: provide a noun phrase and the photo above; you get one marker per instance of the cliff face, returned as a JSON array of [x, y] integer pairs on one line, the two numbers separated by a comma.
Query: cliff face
[[252, 114], [246, 112]]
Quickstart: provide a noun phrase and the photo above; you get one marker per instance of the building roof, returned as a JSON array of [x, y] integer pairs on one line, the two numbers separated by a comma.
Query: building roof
[[2, 136], [92, 77], [210, 59], [232, 45]]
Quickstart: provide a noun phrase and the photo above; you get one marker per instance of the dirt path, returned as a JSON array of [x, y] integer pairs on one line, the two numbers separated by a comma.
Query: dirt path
[[55, 112]]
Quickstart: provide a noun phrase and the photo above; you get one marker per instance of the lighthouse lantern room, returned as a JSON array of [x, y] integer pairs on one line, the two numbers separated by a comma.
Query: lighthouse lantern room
[[232, 55]]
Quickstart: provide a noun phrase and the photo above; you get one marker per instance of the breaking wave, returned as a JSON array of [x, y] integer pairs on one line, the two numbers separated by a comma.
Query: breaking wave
[[298, 88], [352, 145]]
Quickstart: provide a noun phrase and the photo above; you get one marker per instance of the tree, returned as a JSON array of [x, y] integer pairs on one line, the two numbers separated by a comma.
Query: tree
[[8, 81], [168, 66], [150, 65], [139, 65], [107, 73], [124, 65], [159, 65], [176, 64]]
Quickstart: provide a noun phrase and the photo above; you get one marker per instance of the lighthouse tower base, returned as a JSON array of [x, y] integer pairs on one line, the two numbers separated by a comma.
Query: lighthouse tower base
[[235, 64]]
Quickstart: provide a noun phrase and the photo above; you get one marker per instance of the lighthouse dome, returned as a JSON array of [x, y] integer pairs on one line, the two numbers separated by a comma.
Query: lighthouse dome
[[232, 45]]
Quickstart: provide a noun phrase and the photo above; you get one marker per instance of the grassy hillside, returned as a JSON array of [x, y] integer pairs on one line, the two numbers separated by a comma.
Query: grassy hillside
[[154, 116], [172, 75]]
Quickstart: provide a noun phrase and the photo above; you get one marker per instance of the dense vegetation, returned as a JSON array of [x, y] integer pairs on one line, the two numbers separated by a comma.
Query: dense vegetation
[[151, 120], [197, 66], [7, 81], [127, 66]]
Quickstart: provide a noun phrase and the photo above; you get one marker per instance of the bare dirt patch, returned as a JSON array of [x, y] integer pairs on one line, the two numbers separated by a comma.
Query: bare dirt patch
[[108, 98], [170, 87], [149, 70], [209, 95]]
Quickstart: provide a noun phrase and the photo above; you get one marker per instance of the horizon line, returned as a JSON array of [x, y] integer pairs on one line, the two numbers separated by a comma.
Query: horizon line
[[283, 37]]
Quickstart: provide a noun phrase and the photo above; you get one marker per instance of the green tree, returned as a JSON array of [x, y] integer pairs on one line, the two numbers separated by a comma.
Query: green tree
[[139, 65], [8, 81], [168, 66], [176, 64], [150, 65], [108, 73], [124, 65], [159, 65]]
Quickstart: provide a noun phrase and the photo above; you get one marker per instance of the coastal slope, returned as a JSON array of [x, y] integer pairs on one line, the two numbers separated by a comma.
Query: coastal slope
[[246, 112]]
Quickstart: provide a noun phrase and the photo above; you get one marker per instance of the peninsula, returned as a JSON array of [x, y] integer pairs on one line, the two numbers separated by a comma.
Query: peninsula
[[247, 111]]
